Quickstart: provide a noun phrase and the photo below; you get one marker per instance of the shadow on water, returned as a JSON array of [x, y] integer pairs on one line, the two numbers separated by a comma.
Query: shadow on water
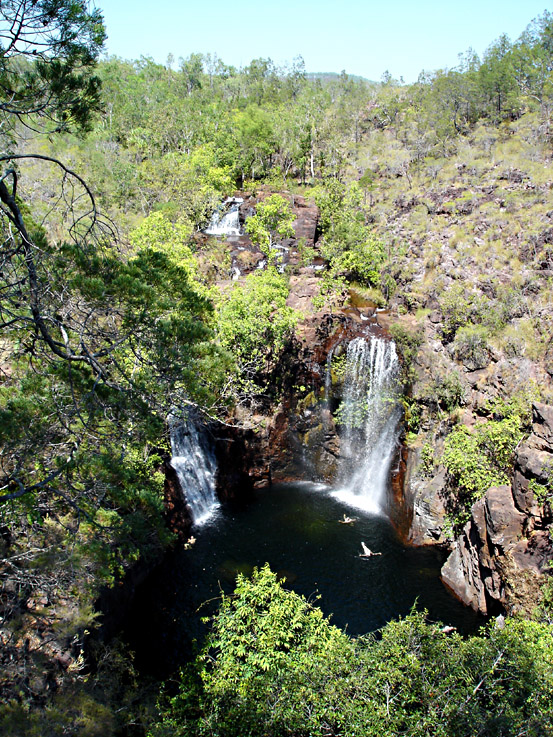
[[296, 529]]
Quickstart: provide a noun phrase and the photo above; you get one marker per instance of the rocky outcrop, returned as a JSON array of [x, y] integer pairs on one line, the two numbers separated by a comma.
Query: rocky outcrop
[[423, 501], [497, 561]]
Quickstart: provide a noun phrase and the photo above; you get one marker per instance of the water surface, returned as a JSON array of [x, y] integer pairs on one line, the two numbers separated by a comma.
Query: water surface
[[296, 529]]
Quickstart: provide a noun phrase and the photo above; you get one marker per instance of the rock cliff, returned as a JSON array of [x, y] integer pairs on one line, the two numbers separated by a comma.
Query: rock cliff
[[497, 561]]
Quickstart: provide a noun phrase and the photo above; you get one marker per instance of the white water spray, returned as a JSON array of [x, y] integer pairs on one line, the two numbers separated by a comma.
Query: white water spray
[[228, 221], [194, 461], [370, 415]]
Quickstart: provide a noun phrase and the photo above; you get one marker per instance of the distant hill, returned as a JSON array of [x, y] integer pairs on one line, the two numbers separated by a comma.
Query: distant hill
[[327, 77]]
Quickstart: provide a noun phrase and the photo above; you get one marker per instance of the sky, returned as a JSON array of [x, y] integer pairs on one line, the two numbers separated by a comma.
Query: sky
[[362, 37]]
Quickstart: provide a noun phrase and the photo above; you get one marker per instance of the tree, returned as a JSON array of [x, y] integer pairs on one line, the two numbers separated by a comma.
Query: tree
[[254, 324], [273, 219], [349, 246], [48, 50], [255, 136], [497, 80], [99, 342], [273, 665]]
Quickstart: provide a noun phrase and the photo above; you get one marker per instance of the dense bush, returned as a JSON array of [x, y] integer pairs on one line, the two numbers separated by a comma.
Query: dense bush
[[273, 666], [477, 459]]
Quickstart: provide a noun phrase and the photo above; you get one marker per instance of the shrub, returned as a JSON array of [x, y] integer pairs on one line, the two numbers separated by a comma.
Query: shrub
[[460, 307], [275, 667], [447, 391], [471, 346], [478, 459]]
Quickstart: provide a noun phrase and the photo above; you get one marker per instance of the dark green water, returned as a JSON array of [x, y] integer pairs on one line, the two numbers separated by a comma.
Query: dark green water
[[296, 529]]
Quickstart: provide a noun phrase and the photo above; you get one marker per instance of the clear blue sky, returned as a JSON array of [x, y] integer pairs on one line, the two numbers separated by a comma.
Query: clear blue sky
[[362, 37]]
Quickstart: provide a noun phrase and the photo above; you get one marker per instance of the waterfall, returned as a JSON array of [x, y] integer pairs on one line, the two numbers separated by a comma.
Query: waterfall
[[226, 222], [194, 461], [370, 415], [328, 377]]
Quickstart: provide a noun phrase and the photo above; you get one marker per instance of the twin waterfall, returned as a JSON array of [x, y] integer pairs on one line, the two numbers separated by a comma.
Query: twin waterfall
[[195, 464], [370, 414]]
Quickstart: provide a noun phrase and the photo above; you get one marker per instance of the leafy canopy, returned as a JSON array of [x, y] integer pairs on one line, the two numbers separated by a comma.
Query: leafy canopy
[[273, 665], [273, 219]]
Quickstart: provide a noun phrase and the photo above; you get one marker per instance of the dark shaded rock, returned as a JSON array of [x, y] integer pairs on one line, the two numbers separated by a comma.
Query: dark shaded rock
[[177, 513], [307, 218], [242, 462], [542, 423]]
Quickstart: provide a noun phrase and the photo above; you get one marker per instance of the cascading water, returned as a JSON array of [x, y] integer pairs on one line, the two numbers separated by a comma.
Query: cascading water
[[194, 461], [370, 415], [227, 222]]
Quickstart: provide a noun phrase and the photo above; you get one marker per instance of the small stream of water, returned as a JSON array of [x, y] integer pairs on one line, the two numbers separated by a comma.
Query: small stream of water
[[194, 461], [370, 417]]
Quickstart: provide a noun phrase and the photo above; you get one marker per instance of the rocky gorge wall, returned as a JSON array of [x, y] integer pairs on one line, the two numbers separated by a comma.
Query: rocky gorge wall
[[497, 560]]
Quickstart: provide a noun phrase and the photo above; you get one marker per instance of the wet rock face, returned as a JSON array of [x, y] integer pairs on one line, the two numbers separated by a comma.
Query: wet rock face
[[497, 561], [177, 513], [242, 463]]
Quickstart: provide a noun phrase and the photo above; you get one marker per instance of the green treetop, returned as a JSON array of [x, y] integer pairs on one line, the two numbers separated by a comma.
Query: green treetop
[[273, 219]]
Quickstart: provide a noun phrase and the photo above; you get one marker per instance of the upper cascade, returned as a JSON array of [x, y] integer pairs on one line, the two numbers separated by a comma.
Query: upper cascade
[[226, 221], [370, 415], [196, 466]]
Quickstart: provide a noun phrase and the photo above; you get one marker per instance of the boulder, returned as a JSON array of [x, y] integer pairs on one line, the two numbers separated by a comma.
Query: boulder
[[462, 572], [503, 522], [496, 559]]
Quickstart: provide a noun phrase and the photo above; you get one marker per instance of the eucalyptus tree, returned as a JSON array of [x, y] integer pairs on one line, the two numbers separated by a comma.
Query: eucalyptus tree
[[98, 339]]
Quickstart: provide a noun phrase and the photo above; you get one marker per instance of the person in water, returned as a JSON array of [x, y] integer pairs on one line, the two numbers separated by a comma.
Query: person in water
[[347, 520], [367, 552]]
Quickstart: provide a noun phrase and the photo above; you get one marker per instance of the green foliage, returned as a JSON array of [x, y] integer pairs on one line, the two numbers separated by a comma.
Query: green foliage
[[273, 219], [446, 391], [48, 52], [477, 459], [518, 404], [332, 292], [460, 307], [427, 460], [411, 414], [189, 184], [274, 666], [471, 346], [542, 492], [352, 250], [254, 324], [482, 456], [408, 342], [255, 140], [173, 239], [126, 335]]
